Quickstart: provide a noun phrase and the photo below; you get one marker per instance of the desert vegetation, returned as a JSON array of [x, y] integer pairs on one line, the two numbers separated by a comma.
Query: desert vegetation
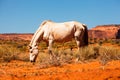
[[101, 57], [13, 50], [62, 53]]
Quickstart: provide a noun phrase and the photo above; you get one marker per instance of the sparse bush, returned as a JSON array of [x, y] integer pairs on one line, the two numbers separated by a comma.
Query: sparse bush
[[109, 53], [100, 43], [63, 56], [119, 44], [87, 53], [11, 50], [57, 58], [8, 53]]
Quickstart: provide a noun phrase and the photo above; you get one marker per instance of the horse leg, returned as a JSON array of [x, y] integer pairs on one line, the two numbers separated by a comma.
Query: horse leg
[[77, 42], [50, 48]]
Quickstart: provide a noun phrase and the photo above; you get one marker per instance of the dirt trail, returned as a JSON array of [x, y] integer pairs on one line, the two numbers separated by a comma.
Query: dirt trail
[[19, 70]]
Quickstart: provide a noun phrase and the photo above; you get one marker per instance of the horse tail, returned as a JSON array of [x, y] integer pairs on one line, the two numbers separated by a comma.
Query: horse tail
[[85, 36]]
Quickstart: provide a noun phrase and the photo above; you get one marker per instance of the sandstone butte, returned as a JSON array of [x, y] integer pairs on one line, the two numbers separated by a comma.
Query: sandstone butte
[[16, 36], [105, 31]]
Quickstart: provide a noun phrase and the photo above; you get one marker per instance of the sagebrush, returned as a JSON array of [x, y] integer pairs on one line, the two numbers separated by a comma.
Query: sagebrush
[[62, 53]]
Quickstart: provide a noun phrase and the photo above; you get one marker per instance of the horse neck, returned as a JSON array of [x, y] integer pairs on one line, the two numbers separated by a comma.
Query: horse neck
[[36, 37]]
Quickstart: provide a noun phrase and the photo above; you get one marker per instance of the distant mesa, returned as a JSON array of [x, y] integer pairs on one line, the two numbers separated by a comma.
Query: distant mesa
[[16, 36], [105, 31]]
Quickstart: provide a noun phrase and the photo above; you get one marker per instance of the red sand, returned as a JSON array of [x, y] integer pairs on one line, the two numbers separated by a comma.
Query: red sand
[[19, 70]]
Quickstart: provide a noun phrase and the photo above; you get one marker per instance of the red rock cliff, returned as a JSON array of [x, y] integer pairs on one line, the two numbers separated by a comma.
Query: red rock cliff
[[14, 36], [105, 31]]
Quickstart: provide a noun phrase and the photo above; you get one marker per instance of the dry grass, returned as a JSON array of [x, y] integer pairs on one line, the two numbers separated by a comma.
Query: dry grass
[[8, 53], [12, 51], [18, 51], [108, 53], [61, 56]]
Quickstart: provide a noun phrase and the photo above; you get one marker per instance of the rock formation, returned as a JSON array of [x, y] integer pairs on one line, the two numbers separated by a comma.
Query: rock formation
[[16, 36], [105, 31]]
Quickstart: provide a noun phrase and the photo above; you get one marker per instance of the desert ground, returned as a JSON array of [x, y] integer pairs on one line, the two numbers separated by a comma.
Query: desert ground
[[15, 65], [20, 70]]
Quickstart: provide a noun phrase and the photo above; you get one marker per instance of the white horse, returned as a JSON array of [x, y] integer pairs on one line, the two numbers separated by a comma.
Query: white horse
[[60, 32]]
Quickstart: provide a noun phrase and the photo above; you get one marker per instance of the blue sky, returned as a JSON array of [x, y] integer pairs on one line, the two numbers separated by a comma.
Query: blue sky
[[25, 16]]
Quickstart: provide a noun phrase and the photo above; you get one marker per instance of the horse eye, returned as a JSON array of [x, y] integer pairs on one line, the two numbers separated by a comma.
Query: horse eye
[[31, 51], [30, 47]]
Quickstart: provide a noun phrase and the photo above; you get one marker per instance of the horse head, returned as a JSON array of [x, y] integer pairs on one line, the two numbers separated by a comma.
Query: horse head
[[33, 53]]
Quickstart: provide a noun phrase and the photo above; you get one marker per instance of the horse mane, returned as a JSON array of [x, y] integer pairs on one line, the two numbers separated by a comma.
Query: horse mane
[[44, 22]]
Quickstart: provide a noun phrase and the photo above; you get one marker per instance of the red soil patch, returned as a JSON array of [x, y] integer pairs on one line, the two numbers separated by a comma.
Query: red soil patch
[[18, 70]]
